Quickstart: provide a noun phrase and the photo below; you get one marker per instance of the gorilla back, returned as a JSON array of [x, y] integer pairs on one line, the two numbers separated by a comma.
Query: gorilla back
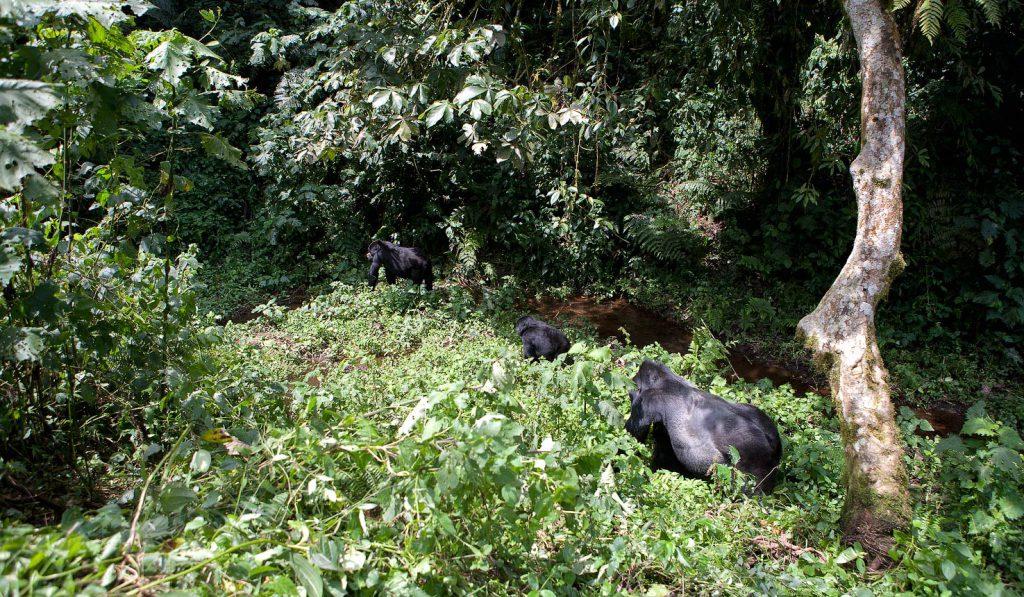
[[540, 340], [399, 262], [694, 429]]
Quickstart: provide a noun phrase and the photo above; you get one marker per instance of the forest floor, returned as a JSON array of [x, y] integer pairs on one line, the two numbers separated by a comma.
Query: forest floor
[[396, 441]]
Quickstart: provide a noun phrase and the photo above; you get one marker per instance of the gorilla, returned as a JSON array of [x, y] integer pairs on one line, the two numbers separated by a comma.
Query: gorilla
[[399, 262], [694, 429], [540, 339]]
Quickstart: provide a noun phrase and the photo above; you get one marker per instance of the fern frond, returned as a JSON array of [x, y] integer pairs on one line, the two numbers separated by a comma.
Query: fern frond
[[900, 4], [467, 253], [665, 238], [958, 20], [993, 14], [929, 18]]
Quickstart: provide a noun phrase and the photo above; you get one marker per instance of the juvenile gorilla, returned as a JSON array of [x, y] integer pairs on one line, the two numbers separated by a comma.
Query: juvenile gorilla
[[694, 429], [399, 262], [540, 339]]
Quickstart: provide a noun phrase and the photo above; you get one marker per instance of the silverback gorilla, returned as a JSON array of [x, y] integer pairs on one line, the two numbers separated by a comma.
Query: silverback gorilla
[[399, 262], [694, 429], [540, 339]]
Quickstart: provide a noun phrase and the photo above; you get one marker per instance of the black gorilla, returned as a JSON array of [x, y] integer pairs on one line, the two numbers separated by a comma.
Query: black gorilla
[[399, 262], [540, 339], [694, 429]]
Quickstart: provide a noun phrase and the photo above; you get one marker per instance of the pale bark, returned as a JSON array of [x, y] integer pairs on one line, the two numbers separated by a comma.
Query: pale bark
[[841, 330]]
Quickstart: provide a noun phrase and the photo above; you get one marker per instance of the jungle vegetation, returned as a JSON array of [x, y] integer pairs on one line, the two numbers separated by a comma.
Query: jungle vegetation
[[199, 392]]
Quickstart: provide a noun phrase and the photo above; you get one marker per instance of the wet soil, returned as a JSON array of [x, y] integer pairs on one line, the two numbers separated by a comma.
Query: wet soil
[[619, 319], [291, 299]]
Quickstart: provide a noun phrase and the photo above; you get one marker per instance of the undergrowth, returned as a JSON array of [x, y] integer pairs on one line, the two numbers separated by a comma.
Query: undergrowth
[[396, 442]]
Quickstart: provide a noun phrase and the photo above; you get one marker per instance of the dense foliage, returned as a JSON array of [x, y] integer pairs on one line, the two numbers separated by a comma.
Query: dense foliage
[[167, 167], [397, 442], [587, 141]]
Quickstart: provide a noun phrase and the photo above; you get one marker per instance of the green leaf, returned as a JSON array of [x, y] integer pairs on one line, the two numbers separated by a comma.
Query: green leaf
[[601, 355], [981, 522], [175, 496], [436, 112], [1012, 506], [200, 49], [28, 13], [10, 264], [929, 18], [977, 410], [611, 413], [1006, 459], [197, 112], [218, 147], [978, 426], [952, 443], [379, 98], [201, 461], [469, 93], [848, 555], [948, 569], [353, 560], [19, 157], [29, 346], [23, 102], [1009, 438], [171, 58], [308, 576]]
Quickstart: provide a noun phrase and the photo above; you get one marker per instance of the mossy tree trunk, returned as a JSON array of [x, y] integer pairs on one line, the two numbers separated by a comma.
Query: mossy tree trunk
[[841, 330]]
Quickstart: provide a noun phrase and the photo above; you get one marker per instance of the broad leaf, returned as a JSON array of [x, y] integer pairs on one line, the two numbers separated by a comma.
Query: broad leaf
[[24, 102], [308, 576], [201, 461], [436, 112], [479, 107], [175, 496], [218, 147], [1006, 459], [194, 110], [29, 346], [19, 157], [10, 265], [1012, 506], [28, 13], [171, 58], [468, 93], [978, 426]]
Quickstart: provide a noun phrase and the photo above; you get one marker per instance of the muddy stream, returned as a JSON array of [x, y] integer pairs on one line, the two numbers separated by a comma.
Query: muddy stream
[[643, 327]]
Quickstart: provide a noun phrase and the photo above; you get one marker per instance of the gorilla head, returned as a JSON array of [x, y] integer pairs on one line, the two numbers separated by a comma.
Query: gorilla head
[[374, 250]]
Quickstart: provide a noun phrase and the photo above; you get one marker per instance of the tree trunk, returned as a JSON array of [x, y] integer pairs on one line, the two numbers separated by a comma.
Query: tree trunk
[[841, 330]]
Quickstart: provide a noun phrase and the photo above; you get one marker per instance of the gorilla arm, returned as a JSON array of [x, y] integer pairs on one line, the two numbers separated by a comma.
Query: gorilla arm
[[640, 420], [374, 268]]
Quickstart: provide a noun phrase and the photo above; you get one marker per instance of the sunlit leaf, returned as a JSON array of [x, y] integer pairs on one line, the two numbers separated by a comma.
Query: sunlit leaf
[[171, 58], [467, 94], [308, 576], [23, 102], [218, 147], [19, 157]]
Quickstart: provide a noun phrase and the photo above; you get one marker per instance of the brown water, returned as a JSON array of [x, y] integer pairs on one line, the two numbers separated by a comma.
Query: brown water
[[946, 418], [643, 327], [618, 318]]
